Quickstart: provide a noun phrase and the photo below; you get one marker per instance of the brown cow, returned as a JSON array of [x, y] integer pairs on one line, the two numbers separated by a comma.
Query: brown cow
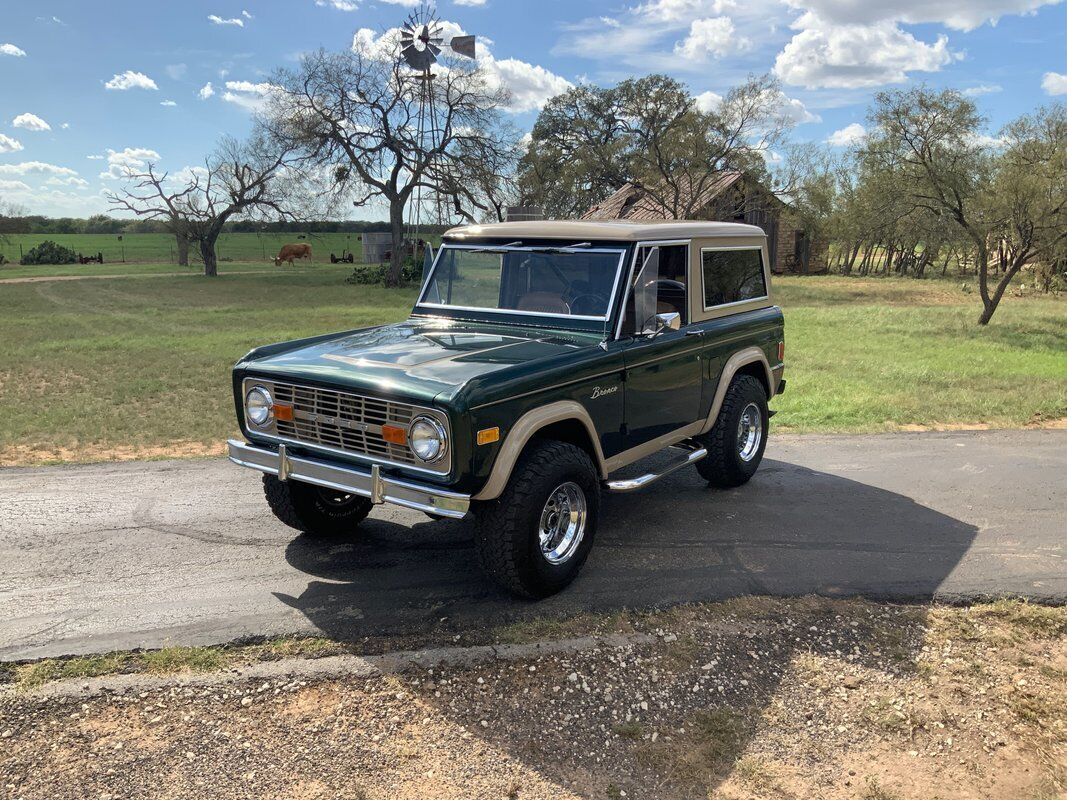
[[293, 251]]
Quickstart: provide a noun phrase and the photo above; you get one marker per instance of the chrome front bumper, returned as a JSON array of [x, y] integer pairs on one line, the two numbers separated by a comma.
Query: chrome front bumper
[[349, 479]]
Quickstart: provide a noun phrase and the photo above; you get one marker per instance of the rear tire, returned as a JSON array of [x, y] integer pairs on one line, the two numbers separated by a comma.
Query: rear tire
[[317, 512], [736, 443], [535, 537]]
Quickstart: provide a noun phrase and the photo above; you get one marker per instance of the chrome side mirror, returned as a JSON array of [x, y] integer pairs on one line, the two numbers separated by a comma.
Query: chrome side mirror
[[668, 321]]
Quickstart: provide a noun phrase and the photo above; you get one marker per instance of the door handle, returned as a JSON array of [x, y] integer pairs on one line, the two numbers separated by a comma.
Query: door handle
[[694, 333]]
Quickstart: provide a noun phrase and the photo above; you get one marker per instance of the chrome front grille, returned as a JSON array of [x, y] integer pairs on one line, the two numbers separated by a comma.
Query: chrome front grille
[[344, 421]]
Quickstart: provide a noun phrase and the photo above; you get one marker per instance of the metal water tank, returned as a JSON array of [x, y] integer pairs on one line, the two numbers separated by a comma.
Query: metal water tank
[[524, 213], [375, 246]]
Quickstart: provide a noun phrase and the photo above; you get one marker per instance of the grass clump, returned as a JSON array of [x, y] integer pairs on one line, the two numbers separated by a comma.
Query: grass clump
[[629, 730]]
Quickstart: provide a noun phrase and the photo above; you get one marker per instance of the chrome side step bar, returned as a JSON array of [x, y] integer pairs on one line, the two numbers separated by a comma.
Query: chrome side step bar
[[693, 453]]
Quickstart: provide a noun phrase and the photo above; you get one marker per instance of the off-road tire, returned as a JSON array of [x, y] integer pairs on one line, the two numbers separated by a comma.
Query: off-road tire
[[305, 507], [506, 529], [723, 466]]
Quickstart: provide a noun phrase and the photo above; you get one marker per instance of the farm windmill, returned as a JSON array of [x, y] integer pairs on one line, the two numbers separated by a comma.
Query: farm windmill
[[421, 43]]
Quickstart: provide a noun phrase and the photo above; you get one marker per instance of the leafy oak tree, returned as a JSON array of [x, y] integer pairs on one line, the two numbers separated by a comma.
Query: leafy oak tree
[[651, 132]]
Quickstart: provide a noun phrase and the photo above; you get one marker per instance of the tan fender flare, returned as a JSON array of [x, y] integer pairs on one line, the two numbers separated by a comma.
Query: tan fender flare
[[521, 433], [738, 360]]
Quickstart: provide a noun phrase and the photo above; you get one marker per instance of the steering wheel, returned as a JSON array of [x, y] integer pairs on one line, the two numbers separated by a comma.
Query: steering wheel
[[596, 302]]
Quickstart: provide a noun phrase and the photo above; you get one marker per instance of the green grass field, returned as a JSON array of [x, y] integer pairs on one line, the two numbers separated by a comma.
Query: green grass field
[[138, 248], [106, 368]]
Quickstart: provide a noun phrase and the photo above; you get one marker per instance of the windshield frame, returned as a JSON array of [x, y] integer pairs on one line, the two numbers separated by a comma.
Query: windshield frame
[[621, 251]]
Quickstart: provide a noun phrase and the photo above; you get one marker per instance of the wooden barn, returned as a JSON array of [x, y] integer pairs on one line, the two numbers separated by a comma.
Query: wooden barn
[[730, 197]]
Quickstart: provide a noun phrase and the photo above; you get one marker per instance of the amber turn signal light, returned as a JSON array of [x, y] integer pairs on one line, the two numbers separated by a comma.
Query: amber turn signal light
[[283, 413], [394, 435], [781, 351], [488, 435]]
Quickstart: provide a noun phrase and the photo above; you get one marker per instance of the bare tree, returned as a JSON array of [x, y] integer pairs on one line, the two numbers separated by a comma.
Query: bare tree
[[355, 117], [9, 213], [155, 195], [236, 180]]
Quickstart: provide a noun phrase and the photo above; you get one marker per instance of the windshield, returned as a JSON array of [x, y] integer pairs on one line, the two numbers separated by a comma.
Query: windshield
[[577, 283]]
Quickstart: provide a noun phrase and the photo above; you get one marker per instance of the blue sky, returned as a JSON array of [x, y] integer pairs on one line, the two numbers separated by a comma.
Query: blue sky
[[87, 88]]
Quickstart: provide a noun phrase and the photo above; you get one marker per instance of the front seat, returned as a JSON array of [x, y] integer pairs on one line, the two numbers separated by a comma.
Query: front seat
[[544, 302]]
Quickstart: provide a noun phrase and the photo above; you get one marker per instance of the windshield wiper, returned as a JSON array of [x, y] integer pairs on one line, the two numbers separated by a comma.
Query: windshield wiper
[[561, 249], [503, 248]]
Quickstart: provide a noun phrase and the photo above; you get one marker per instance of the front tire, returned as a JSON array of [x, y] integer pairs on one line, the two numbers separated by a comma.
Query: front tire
[[736, 443], [313, 510], [535, 537]]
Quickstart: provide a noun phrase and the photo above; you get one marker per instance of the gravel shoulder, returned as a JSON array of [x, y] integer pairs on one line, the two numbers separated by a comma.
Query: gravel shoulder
[[751, 698]]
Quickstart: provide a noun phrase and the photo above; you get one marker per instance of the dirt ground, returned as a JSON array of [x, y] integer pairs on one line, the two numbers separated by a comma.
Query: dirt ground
[[756, 698]]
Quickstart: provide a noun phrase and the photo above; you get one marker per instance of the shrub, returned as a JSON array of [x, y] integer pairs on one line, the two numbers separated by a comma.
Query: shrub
[[375, 273], [48, 252]]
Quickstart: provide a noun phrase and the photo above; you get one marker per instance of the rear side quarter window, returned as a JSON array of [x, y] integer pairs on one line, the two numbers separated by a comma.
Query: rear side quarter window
[[732, 275]]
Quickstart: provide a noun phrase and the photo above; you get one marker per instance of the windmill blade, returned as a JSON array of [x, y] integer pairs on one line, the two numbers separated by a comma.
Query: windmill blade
[[418, 59], [432, 48], [462, 45]]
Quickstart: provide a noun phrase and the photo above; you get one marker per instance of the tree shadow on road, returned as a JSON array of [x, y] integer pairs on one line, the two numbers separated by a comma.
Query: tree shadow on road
[[791, 531]]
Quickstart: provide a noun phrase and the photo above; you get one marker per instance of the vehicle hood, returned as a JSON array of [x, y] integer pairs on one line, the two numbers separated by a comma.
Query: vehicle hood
[[416, 359]]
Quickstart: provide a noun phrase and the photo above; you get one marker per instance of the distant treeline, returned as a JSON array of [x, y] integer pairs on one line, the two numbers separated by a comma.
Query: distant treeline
[[101, 223]]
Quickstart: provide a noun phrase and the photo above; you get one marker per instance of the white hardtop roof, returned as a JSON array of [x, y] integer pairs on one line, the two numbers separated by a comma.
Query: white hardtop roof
[[623, 230]]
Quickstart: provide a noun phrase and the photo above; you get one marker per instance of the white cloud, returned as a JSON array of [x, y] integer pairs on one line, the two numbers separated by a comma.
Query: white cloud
[[168, 103], [530, 85], [847, 136], [470, 2], [130, 80], [206, 91], [9, 145], [249, 96], [246, 15], [708, 101], [794, 110], [35, 168], [121, 162], [713, 36], [13, 186], [826, 55], [1054, 83], [983, 88], [961, 15], [8, 49], [248, 86], [340, 5], [682, 10], [217, 20], [95, 158], [64, 125], [176, 71], [30, 122], [81, 183]]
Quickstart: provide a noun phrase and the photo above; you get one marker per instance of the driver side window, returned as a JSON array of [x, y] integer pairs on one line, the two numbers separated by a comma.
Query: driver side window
[[671, 286]]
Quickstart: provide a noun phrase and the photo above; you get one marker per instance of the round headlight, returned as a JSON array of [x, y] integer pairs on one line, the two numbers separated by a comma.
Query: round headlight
[[259, 407], [427, 438]]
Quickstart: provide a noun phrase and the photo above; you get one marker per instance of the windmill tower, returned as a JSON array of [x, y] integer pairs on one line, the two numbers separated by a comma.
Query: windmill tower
[[421, 43]]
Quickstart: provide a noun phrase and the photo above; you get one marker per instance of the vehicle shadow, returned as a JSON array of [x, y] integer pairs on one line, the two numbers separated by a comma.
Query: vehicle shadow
[[791, 531]]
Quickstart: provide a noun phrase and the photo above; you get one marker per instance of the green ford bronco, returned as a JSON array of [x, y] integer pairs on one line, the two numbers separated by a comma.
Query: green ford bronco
[[539, 360]]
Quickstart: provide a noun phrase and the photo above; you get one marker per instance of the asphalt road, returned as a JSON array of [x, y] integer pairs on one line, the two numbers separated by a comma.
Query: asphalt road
[[129, 555]]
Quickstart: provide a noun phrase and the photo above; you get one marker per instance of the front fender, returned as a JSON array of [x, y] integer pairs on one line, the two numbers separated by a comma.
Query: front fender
[[524, 430]]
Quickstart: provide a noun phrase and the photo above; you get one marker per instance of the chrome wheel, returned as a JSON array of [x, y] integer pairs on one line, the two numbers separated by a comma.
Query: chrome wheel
[[749, 432], [562, 523], [335, 499]]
